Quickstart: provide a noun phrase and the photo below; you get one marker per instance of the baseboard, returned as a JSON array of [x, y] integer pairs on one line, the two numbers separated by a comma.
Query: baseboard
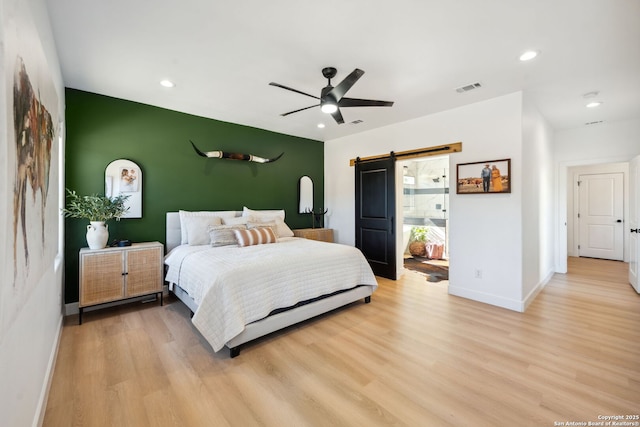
[[507, 303], [536, 290], [46, 385]]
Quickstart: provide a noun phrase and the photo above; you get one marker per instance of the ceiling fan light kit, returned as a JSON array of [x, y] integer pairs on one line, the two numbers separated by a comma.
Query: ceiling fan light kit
[[332, 98], [329, 108]]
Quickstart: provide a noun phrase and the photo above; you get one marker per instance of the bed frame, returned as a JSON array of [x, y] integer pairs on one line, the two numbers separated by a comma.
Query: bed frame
[[273, 322]]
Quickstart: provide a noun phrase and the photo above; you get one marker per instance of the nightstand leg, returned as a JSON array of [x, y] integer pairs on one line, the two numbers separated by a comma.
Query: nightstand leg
[[161, 298], [80, 316]]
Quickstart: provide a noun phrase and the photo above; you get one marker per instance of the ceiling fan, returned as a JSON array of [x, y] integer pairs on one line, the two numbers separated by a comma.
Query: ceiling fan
[[332, 98]]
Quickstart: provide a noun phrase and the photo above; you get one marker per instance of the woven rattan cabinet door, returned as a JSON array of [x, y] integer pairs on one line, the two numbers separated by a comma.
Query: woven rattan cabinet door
[[101, 278], [144, 271]]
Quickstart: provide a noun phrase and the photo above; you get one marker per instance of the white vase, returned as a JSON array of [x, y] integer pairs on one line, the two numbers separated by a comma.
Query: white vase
[[97, 234]]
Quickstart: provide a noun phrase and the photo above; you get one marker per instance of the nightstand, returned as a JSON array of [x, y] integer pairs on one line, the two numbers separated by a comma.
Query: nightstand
[[120, 273], [322, 234]]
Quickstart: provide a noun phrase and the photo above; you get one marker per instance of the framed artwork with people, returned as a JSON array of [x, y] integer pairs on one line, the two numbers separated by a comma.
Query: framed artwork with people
[[490, 176], [128, 180]]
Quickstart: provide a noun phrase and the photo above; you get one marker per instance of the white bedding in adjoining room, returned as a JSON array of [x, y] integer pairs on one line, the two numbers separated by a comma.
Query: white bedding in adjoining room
[[234, 286]]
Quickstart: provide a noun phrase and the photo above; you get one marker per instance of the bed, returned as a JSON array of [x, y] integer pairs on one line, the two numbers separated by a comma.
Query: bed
[[239, 293]]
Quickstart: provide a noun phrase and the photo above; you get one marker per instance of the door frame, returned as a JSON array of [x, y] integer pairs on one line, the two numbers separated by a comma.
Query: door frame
[[400, 249], [572, 225], [634, 222], [582, 196]]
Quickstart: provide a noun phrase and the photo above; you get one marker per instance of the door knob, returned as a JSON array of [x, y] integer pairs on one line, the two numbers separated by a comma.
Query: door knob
[[634, 230], [619, 220]]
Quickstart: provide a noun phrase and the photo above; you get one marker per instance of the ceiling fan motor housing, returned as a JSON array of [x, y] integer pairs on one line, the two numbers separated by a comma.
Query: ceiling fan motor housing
[[324, 92]]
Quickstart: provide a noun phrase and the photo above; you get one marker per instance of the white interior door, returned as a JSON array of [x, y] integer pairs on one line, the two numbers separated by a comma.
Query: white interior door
[[600, 217], [634, 222]]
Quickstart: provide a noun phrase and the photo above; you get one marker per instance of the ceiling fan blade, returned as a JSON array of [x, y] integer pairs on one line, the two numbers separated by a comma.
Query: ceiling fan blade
[[354, 102], [292, 90], [337, 116], [301, 109], [338, 92]]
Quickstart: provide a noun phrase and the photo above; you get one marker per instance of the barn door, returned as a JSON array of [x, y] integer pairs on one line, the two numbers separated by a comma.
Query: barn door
[[601, 216], [375, 210]]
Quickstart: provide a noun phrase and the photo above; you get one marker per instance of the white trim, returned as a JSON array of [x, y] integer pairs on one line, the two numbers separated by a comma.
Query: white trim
[[536, 290], [498, 301], [46, 386]]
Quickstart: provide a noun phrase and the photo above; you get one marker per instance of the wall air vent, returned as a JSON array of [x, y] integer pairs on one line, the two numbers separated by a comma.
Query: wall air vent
[[355, 122], [594, 123], [469, 87]]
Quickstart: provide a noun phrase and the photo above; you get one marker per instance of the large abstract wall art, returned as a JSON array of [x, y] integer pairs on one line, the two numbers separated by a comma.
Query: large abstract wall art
[[34, 132], [30, 183]]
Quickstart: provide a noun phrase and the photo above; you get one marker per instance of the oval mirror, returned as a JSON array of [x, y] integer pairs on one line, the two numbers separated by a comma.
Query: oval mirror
[[306, 195]]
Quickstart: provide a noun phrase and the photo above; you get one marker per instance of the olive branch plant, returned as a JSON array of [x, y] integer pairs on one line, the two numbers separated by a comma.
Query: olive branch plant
[[95, 207]]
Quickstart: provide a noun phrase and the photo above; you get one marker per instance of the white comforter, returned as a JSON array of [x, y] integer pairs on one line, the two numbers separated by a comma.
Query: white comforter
[[234, 286]]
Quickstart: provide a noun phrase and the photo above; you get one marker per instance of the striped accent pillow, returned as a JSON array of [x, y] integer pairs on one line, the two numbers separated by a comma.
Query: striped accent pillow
[[255, 236]]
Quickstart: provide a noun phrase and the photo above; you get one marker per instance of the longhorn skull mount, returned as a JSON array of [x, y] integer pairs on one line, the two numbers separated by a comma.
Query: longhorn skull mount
[[234, 156]]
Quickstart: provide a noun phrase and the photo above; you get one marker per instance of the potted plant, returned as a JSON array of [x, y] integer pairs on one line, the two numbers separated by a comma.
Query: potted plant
[[418, 240], [97, 209]]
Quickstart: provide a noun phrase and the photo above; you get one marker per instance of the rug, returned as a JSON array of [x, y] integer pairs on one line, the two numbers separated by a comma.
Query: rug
[[429, 268]]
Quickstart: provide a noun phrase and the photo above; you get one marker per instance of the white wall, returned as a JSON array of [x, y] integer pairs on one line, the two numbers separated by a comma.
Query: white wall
[[604, 143], [485, 230], [538, 217], [28, 339], [588, 145]]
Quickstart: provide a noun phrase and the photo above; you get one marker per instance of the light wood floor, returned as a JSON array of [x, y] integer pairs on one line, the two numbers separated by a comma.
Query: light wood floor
[[415, 356]]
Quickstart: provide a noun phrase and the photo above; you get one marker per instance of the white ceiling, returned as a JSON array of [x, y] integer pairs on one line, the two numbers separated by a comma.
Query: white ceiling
[[223, 54]]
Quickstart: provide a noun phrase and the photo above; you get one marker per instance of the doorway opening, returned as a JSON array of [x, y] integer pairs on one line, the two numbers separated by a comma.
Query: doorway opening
[[425, 206]]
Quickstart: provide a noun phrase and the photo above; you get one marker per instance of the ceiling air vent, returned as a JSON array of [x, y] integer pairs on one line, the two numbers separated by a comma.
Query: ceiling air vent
[[355, 122], [469, 87], [594, 123]]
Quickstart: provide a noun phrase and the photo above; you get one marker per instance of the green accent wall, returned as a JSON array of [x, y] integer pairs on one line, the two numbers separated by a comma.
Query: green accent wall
[[100, 129]]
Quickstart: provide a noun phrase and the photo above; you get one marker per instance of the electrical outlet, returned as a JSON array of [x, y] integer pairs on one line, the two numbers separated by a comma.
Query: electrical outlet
[[477, 273]]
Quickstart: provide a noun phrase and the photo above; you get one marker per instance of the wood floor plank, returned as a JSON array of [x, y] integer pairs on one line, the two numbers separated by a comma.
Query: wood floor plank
[[415, 356]]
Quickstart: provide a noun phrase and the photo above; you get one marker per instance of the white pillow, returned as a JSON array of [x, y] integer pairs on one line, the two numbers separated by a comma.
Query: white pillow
[[269, 224], [223, 235], [187, 214], [198, 228], [235, 221], [281, 228], [250, 212]]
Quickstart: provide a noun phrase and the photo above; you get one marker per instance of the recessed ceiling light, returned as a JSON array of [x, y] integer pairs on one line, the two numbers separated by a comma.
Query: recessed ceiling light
[[321, 125], [167, 83], [529, 55], [594, 104]]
